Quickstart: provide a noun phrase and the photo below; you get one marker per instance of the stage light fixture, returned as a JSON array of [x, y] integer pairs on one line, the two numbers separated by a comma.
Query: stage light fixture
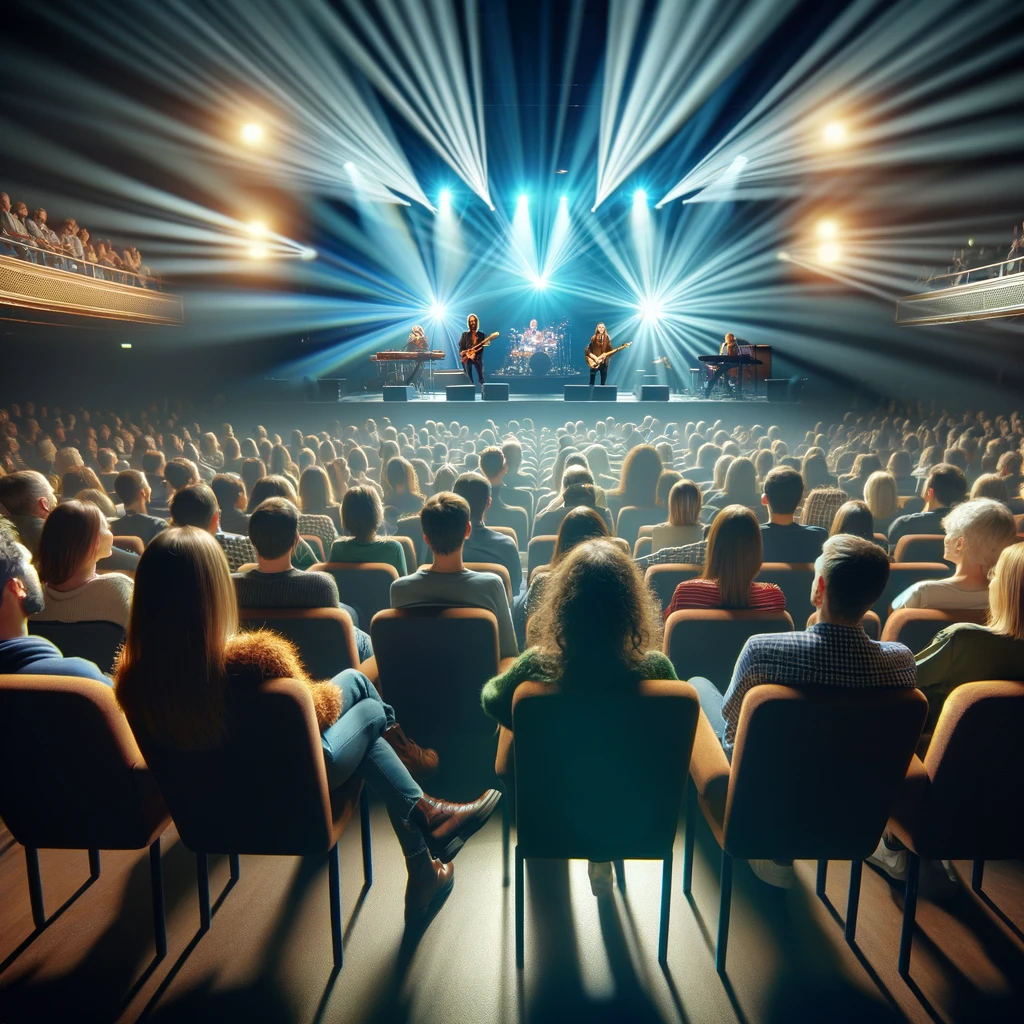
[[639, 196], [827, 229], [828, 253], [561, 170], [257, 252], [257, 229], [444, 198], [252, 133], [308, 254], [835, 133], [438, 310]]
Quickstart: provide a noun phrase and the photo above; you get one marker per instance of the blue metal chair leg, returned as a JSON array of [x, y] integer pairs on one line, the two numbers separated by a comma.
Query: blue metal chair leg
[[520, 907], [819, 883], [909, 912], [94, 864], [35, 886], [203, 881], [666, 906], [156, 881], [725, 906], [365, 838], [689, 835], [234, 866], [853, 900], [977, 875], [620, 874], [334, 884]]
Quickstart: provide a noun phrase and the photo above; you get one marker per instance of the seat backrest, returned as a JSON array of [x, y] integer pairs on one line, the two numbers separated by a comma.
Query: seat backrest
[[508, 531], [794, 579], [512, 521], [816, 769], [920, 547], [498, 570], [976, 765], [96, 641], [316, 544], [871, 624], [882, 541], [409, 547], [901, 576], [646, 530], [432, 663], [366, 586], [707, 641], [325, 637], [518, 497], [411, 527], [642, 546], [663, 580], [263, 790], [95, 791], [539, 551], [635, 753], [916, 627], [632, 517], [126, 543]]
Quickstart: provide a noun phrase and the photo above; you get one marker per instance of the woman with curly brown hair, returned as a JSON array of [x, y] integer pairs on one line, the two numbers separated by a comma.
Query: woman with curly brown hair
[[179, 695]]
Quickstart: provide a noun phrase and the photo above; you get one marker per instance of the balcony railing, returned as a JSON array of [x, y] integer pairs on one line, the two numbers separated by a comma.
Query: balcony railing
[[997, 290]]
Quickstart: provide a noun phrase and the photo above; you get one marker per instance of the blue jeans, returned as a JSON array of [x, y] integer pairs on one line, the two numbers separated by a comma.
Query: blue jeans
[[711, 701], [352, 746]]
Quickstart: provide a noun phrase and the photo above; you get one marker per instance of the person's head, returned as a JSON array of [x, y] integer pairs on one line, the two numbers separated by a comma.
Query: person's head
[[274, 528], [445, 518], [106, 459], [400, 477], [492, 463], [252, 470], [733, 555], [783, 489], [668, 479], [130, 485], [865, 464], [271, 487], [362, 512], [640, 471], [580, 524], [315, 491], [741, 482], [814, 471], [195, 505], [477, 493], [78, 478], [229, 491], [722, 464], [579, 494], [27, 493], [153, 464], [1005, 593], [596, 574], [946, 485], [899, 463], [180, 473], [21, 593], [684, 504], [854, 517], [976, 533], [99, 499], [881, 493], [707, 455], [473, 322], [850, 575], [172, 690], [1009, 464], [75, 537], [990, 485]]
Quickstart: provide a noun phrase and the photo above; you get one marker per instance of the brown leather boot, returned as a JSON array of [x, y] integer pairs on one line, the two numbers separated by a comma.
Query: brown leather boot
[[430, 884], [446, 826], [421, 762]]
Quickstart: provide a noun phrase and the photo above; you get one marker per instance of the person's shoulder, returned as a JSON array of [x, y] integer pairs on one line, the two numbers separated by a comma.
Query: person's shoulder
[[657, 665], [112, 581], [815, 530]]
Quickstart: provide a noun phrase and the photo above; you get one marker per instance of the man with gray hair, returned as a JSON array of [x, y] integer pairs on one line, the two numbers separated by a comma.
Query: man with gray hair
[[26, 499], [849, 577], [21, 595]]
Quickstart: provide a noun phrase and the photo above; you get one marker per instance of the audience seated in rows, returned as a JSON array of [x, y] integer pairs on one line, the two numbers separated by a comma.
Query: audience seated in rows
[[134, 493], [484, 544], [854, 518], [945, 487], [362, 515], [683, 525]]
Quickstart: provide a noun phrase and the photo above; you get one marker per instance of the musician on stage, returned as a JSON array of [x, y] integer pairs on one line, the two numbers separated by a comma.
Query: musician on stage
[[417, 343], [600, 342], [470, 338], [730, 347]]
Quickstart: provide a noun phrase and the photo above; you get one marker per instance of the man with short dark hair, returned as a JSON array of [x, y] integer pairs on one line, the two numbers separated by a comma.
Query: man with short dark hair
[[26, 499], [153, 464], [196, 505], [577, 489], [850, 574], [945, 487], [21, 595], [484, 544], [446, 522], [782, 538], [132, 490]]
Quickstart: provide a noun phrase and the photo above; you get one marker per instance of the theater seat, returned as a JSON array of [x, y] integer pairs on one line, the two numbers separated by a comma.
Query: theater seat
[[794, 579], [96, 641], [799, 785], [901, 576], [539, 551], [508, 517], [707, 641], [642, 546], [366, 586], [316, 544], [632, 517], [96, 795], [916, 627], [663, 580], [870, 624], [962, 802], [920, 547]]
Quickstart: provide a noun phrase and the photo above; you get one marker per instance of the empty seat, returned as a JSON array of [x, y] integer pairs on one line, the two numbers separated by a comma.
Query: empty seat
[[920, 547], [366, 586], [98, 642], [632, 517], [707, 641], [539, 551]]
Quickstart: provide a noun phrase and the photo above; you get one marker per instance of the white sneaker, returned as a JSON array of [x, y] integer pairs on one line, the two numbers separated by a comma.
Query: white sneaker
[[782, 876], [892, 862], [600, 873]]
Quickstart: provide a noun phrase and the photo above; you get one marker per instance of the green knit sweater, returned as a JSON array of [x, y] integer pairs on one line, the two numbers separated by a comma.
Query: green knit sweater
[[496, 696]]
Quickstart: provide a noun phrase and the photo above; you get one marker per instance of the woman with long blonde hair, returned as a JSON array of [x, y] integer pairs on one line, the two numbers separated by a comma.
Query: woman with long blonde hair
[[179, 694]]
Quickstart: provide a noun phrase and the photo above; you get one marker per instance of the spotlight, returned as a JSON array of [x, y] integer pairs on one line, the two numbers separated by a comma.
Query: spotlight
[[126, 344], [835, 133], [784, 256], [252, 133], [639, 196], [650, 310], [257, 252], [563, 199], [523, 199], [738, 164], [438, 310], [827, 229], [350, 167], [828, 253], [257, 229], [561, 170], [540, 282], [308, 254], [445, 197]]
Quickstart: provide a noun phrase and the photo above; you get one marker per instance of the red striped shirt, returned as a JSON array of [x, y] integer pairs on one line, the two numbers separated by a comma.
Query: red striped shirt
[[699, 593]]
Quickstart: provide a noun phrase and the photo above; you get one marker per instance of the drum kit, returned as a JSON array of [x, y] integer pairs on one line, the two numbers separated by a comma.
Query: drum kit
[[537, 351]]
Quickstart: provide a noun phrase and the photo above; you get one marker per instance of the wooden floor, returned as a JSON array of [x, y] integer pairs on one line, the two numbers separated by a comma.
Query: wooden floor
[[267, 956]]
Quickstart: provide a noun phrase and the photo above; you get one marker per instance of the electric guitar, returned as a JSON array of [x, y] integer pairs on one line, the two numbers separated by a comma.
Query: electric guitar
[[595, 362], [470, 353]]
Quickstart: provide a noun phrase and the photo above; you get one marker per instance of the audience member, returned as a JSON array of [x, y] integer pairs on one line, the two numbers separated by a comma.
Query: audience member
[[945, 487], [362, 515], [976, 533], [180, 696], [683, 525], [783, 539], [483, 543], [26, 499], [882, 497], [133, 492], [446, 523], [638, 483], [316, 498], [232, 501], [854, 518]]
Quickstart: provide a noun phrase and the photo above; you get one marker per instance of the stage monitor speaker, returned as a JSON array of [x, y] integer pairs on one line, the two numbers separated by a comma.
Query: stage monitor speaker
[[495, 392], [654, 393], [576, 393], [460, 393], [777, 389], [399, 393], [606, 393], [442, 378]]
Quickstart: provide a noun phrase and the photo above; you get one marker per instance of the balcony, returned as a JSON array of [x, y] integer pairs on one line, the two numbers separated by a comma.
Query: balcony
[[993, 292]]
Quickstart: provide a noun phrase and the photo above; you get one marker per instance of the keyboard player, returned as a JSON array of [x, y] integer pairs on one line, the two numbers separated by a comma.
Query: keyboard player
[[417, 343], [730, 347]]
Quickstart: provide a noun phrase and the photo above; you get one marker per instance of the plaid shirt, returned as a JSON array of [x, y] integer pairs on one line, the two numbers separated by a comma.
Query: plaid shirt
[[238, 549], [825, 654], [688, 554]]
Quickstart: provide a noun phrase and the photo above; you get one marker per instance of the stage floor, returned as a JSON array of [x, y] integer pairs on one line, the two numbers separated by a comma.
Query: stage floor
[[627, 398]]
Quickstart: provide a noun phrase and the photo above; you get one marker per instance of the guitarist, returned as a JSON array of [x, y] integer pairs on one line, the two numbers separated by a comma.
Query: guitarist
[[471, 339], [600, 343]]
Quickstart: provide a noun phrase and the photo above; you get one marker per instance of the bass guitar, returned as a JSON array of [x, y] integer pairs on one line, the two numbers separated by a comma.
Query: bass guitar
[[595, 362], [471, 353]]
